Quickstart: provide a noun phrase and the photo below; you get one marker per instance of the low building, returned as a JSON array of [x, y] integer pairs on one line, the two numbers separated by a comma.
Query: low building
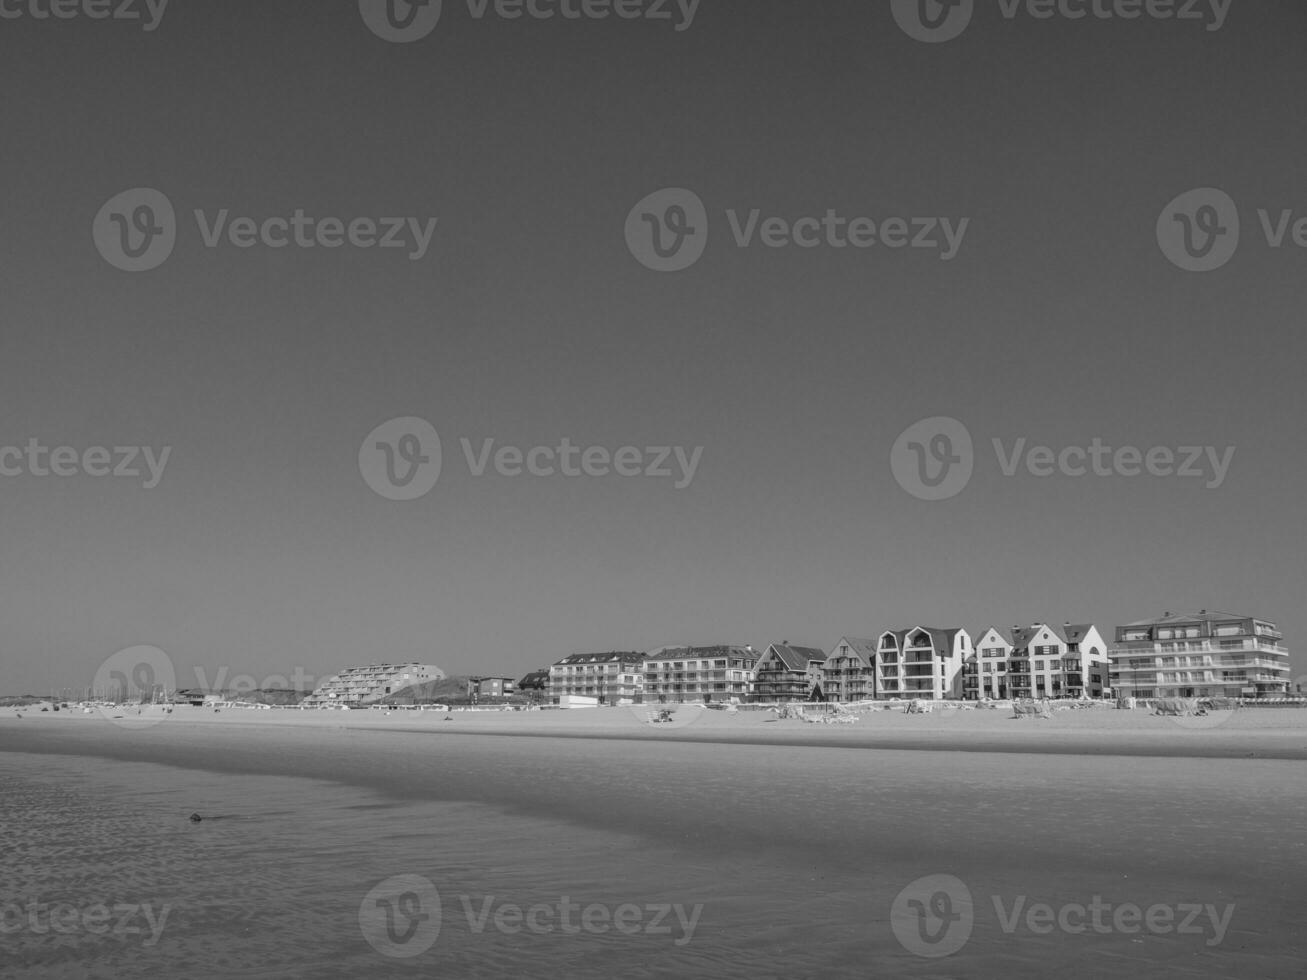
[[674, 675], [609, 677], [921, 663], [490, 687], [1038, 661], [1206, 654], [536, 682], [786, 672], [849, 673], [358, 686]]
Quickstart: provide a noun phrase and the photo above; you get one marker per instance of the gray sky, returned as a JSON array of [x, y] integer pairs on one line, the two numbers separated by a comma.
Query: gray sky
[[528, 320]]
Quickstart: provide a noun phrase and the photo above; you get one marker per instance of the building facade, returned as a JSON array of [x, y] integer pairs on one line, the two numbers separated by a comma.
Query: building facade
[[923, 663], [609, 677], [786, 672], [490, 687], [1038, 661], [849, 673], [1207, 654], [357, 686], [713, 673]]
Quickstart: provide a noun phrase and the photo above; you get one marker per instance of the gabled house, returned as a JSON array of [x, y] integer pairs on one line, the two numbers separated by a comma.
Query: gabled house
[[849, 673], [985, 670], [789, 673], [1069, 661], [924, 662]]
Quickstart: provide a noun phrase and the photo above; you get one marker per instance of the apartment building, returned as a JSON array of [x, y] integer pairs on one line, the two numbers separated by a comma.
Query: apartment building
[[357, 686], [1037, 661], [610, 677], [1205, 654], [924, 662], [711, 673], [849, 673], [786, 672]]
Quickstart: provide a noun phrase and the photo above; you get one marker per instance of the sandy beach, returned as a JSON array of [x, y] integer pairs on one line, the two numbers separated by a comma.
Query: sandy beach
[[1265, 733], [794, 841]]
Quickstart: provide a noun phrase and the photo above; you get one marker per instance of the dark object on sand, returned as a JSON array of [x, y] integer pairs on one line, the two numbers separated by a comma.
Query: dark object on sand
[[196, 818]]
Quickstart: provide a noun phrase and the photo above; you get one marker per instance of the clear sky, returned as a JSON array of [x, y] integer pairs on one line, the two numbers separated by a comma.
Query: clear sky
[[529, 320]]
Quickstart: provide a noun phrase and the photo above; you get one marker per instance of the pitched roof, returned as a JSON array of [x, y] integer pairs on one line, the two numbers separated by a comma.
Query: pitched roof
[[941, 639], [683, 653], [796, 657], [864, 648], [616, 656]]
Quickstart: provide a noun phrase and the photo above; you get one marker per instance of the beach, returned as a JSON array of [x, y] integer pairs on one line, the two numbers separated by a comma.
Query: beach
[[799, 854], [1268, 733]]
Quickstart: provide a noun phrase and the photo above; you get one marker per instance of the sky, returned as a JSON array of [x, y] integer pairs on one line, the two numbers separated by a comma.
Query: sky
[[270, 541]]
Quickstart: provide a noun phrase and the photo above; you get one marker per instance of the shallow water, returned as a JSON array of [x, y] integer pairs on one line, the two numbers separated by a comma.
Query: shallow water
[[794, 857]]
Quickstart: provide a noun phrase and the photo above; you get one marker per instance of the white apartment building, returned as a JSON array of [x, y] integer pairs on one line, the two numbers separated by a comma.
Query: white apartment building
[[698, 674], [356, 686], [609, 677], [1038, 661], [1206, 654], [924, 662]]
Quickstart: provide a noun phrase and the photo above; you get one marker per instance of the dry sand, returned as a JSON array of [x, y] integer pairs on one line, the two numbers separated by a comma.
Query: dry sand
[[1265, 733]]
